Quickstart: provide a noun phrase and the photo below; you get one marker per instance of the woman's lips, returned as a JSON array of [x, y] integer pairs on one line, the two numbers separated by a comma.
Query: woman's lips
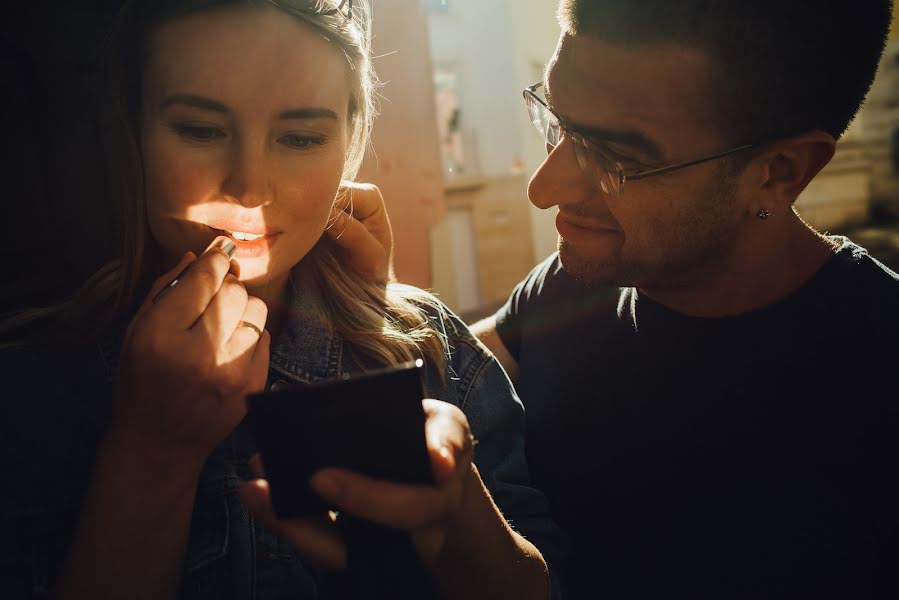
[[249, 248], [254, 248]]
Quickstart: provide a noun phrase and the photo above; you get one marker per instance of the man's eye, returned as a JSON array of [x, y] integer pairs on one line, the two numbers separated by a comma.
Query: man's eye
[[199, 133], [614, 158], [300, 142]]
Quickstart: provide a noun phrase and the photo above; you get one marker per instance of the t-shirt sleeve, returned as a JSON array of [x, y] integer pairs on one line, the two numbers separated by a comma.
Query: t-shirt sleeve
[[513, 317]]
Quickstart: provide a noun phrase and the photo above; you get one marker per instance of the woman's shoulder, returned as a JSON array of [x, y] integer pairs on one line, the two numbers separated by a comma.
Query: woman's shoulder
[[469, 367], [437, 312]]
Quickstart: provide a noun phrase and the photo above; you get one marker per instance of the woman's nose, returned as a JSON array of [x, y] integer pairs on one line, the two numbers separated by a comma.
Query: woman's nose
[[247, 180]]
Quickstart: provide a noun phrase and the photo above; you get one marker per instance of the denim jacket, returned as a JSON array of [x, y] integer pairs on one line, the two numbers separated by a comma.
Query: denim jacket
[[56, 405]]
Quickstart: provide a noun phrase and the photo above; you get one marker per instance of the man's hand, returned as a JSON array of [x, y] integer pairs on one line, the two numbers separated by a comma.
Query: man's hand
[[360, 225]]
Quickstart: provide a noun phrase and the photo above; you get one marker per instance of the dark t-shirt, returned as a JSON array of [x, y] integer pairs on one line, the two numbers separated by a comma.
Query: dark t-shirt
[[749, 456]]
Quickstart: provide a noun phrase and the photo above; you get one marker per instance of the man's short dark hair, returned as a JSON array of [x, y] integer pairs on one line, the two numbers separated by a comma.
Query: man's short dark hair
[[783, 67]]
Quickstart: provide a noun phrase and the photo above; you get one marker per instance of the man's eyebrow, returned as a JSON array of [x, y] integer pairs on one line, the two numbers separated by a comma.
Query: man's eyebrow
[[203, 103], [619, 137], [601, 135]]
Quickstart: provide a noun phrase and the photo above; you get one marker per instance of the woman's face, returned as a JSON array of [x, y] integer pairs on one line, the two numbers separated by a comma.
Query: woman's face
[[244, 131]]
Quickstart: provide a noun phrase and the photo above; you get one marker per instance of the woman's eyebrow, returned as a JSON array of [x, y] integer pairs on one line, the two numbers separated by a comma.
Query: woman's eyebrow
[[194, 101], [308, 113]]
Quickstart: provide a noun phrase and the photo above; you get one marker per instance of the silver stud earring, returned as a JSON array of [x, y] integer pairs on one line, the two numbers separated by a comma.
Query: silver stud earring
[[763, 214]]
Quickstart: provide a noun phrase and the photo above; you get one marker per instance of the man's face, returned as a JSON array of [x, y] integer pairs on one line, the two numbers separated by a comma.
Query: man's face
[[653, 107]]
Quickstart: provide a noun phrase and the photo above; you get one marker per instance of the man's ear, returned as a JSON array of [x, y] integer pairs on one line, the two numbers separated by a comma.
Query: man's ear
[[793, 162]]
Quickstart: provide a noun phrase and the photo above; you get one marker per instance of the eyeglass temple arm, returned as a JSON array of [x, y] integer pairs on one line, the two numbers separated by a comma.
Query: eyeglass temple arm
[[669, 168]]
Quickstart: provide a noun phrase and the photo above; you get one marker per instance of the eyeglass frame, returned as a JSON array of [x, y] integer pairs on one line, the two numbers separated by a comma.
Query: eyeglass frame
[[622, 177]]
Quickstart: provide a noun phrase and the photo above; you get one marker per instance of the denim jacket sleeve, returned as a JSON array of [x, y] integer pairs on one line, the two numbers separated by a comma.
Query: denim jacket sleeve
[[475, 382]]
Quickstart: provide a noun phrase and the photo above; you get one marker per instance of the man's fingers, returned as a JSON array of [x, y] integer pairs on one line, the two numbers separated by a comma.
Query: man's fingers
[[398, 505], [316, 538]]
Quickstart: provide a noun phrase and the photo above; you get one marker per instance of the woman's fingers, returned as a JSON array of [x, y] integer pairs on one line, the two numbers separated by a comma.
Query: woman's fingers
[[259, 363], [164, 281], [449, 439], [360, 225], [181, 306], [316, 538], [407, 506], [398, 505], [225, 310]]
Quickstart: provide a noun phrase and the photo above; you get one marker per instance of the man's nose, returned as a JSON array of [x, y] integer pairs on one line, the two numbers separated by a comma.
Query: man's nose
[[559, 180], [247, 180]]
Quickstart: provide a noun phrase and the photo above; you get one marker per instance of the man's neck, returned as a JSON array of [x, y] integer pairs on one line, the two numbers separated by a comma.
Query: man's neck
[[764, 267]]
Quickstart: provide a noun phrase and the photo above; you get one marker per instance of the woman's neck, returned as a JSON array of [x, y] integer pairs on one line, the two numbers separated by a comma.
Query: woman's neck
[[277, 299]]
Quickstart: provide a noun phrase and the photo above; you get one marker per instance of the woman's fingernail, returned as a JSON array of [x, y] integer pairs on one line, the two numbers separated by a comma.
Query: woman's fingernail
[[326, 485], [225, 244]]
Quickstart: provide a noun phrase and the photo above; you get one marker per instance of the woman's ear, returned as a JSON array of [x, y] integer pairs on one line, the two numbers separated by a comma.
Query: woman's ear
[[793, 162]]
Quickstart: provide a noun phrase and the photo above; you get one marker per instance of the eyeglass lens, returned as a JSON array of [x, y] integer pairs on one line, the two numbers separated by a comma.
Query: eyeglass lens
[[547, 125]]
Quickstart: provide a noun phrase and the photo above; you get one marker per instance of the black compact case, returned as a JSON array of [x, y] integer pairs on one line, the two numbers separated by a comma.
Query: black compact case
[[371, 423]]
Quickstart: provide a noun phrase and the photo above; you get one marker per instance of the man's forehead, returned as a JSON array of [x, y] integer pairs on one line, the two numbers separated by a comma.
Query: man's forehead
[[653, 88]]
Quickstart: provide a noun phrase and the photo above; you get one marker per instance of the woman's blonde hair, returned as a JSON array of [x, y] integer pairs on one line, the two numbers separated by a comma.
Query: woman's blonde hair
[[384, 324]]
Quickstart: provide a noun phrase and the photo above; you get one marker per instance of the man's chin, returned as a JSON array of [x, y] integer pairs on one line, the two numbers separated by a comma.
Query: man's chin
[[588, 268]]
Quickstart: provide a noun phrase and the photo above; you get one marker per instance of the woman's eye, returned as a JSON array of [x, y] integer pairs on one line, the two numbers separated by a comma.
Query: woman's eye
[[199, 133], [300, 142]]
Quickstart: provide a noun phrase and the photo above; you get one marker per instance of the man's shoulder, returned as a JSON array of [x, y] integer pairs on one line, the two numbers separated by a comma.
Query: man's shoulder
[[861, 278]]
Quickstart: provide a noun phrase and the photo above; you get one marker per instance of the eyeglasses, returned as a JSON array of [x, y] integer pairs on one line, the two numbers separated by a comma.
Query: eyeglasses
[[609, 174]]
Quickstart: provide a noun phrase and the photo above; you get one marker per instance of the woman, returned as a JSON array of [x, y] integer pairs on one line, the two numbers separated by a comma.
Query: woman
[[236, 121]]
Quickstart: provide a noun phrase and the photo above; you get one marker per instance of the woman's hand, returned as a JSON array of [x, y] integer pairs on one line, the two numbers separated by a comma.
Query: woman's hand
[[190, 358], [427, 512], [359, 224]]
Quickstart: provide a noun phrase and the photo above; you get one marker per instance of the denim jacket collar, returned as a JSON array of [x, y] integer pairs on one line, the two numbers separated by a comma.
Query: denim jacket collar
[[308, 348]]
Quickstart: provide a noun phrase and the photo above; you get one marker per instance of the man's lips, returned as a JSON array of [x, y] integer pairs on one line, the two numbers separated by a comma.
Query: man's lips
[[587, 223]]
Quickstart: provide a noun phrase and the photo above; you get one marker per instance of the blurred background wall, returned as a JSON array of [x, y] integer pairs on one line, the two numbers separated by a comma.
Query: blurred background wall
[[452, 148]]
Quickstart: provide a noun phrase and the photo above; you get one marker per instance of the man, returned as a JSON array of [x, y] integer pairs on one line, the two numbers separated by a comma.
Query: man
[[709, 382]]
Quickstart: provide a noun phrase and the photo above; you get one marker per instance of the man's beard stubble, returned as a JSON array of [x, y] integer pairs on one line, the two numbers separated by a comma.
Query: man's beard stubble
[[701, 243]]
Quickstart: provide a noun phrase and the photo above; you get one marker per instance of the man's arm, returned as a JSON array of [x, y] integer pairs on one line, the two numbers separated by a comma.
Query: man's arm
[[485, 330]]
